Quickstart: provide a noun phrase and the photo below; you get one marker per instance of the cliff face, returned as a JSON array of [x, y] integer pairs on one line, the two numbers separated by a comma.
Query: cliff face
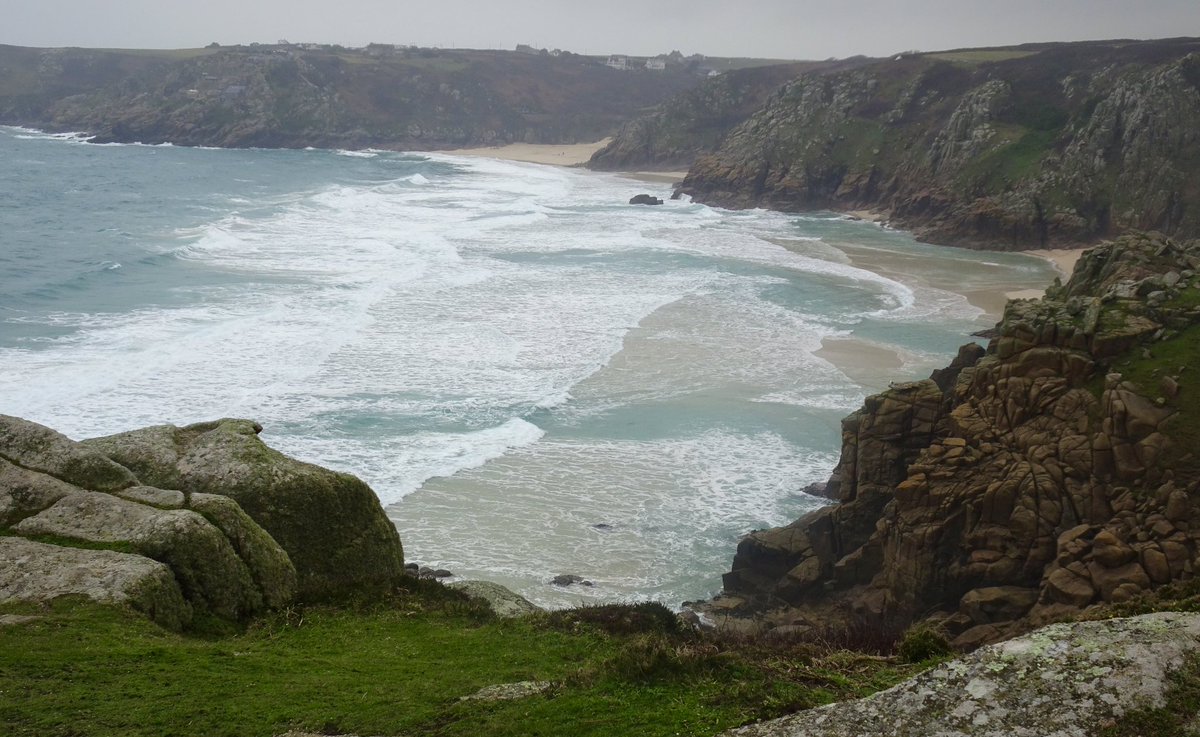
[[1004, 149], [698, 120], [1055, 470], [289, 96]]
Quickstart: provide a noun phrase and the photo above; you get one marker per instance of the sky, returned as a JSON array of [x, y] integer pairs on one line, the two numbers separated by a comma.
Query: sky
[[785, 29]]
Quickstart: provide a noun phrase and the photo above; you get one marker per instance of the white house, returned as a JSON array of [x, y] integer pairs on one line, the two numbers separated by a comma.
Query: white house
[[617, 62], [656, 65]]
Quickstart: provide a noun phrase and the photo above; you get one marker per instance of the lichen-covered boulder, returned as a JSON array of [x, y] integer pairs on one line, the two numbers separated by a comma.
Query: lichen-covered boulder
[[209, 571], [56, 491], [505, 603], [36, 572], [1065, 679], [331, 524], [37, 448]]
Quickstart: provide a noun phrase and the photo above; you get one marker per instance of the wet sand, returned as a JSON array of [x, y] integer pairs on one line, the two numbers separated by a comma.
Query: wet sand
[[1063, 258], [575, 154]]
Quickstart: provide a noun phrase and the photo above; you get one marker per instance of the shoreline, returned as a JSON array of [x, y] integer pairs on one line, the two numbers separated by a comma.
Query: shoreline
[[573, 154]]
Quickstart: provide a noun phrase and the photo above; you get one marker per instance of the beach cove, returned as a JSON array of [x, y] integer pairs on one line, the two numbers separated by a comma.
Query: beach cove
[[534, 376]]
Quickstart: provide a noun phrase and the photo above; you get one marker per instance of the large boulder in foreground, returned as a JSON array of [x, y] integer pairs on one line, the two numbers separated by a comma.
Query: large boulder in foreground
[[92, 529], [173, 522], [1065, 679], [331, 524]]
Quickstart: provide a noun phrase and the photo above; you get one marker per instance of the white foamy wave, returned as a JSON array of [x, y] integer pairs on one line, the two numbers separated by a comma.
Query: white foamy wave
[[651, 519], [357, 154], [396, 467]]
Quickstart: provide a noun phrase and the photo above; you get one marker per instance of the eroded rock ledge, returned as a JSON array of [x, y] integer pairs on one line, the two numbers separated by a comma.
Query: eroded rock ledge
[[1054, 471], [204, 519]]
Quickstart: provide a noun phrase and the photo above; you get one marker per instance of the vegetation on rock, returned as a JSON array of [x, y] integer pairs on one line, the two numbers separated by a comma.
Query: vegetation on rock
[[1035, 146], [290, 96]]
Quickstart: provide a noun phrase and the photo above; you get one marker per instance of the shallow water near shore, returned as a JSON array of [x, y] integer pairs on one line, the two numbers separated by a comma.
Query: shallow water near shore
[[535, 377]]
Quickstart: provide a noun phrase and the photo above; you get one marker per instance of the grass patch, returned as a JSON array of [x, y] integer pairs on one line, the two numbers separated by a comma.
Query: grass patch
[[1012, 162], [84, 670], [1177, 357], [981, 56], [71, 542]]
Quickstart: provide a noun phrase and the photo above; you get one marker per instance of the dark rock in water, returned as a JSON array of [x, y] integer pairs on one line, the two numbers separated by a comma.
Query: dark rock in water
[[412, 569], [603, 527], [442, 573], [567, 579], [819, 489], [645, 199]]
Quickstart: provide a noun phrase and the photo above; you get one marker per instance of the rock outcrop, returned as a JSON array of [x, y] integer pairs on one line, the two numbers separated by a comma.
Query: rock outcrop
[[1053, 472], [1026, 147], [696, 121], [1064, 679], [331, 524], [176, 522]]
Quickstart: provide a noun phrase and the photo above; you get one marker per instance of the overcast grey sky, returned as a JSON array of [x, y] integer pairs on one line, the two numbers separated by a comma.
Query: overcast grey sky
[[796, 29]]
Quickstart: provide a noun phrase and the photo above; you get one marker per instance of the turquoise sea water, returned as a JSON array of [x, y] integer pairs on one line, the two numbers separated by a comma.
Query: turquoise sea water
[[535, 377]]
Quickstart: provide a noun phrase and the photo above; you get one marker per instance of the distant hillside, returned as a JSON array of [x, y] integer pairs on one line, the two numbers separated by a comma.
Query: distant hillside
[[293, 96], [1037, 145]]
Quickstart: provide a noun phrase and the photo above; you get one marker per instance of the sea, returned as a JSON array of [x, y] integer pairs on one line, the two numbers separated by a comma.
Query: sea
[[535, 377]]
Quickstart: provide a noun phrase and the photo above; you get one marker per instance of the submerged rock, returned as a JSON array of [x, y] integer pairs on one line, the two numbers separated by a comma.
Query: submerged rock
[[645, 199], [570, 579], [1065, 679]]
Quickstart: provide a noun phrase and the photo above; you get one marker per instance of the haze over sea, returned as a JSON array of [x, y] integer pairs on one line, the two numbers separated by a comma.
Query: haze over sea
[[535, 377]]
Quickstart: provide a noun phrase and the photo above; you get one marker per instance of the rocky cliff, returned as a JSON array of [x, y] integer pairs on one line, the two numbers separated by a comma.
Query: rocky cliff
[[695, 121], [1054, 471], [294, 96], [1024, 147], [175, 522]]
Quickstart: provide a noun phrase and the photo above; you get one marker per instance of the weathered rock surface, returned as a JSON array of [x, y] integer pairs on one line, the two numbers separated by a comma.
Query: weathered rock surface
[[1022, 483], [330, 524], [504, 602], [33, 572], [1069, 680], [1034, 146], [178, 534], [697, 120], [510, 691]]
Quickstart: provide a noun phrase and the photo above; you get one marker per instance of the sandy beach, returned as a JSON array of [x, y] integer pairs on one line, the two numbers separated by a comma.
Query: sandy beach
[[575, 154], [1063, 258]]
